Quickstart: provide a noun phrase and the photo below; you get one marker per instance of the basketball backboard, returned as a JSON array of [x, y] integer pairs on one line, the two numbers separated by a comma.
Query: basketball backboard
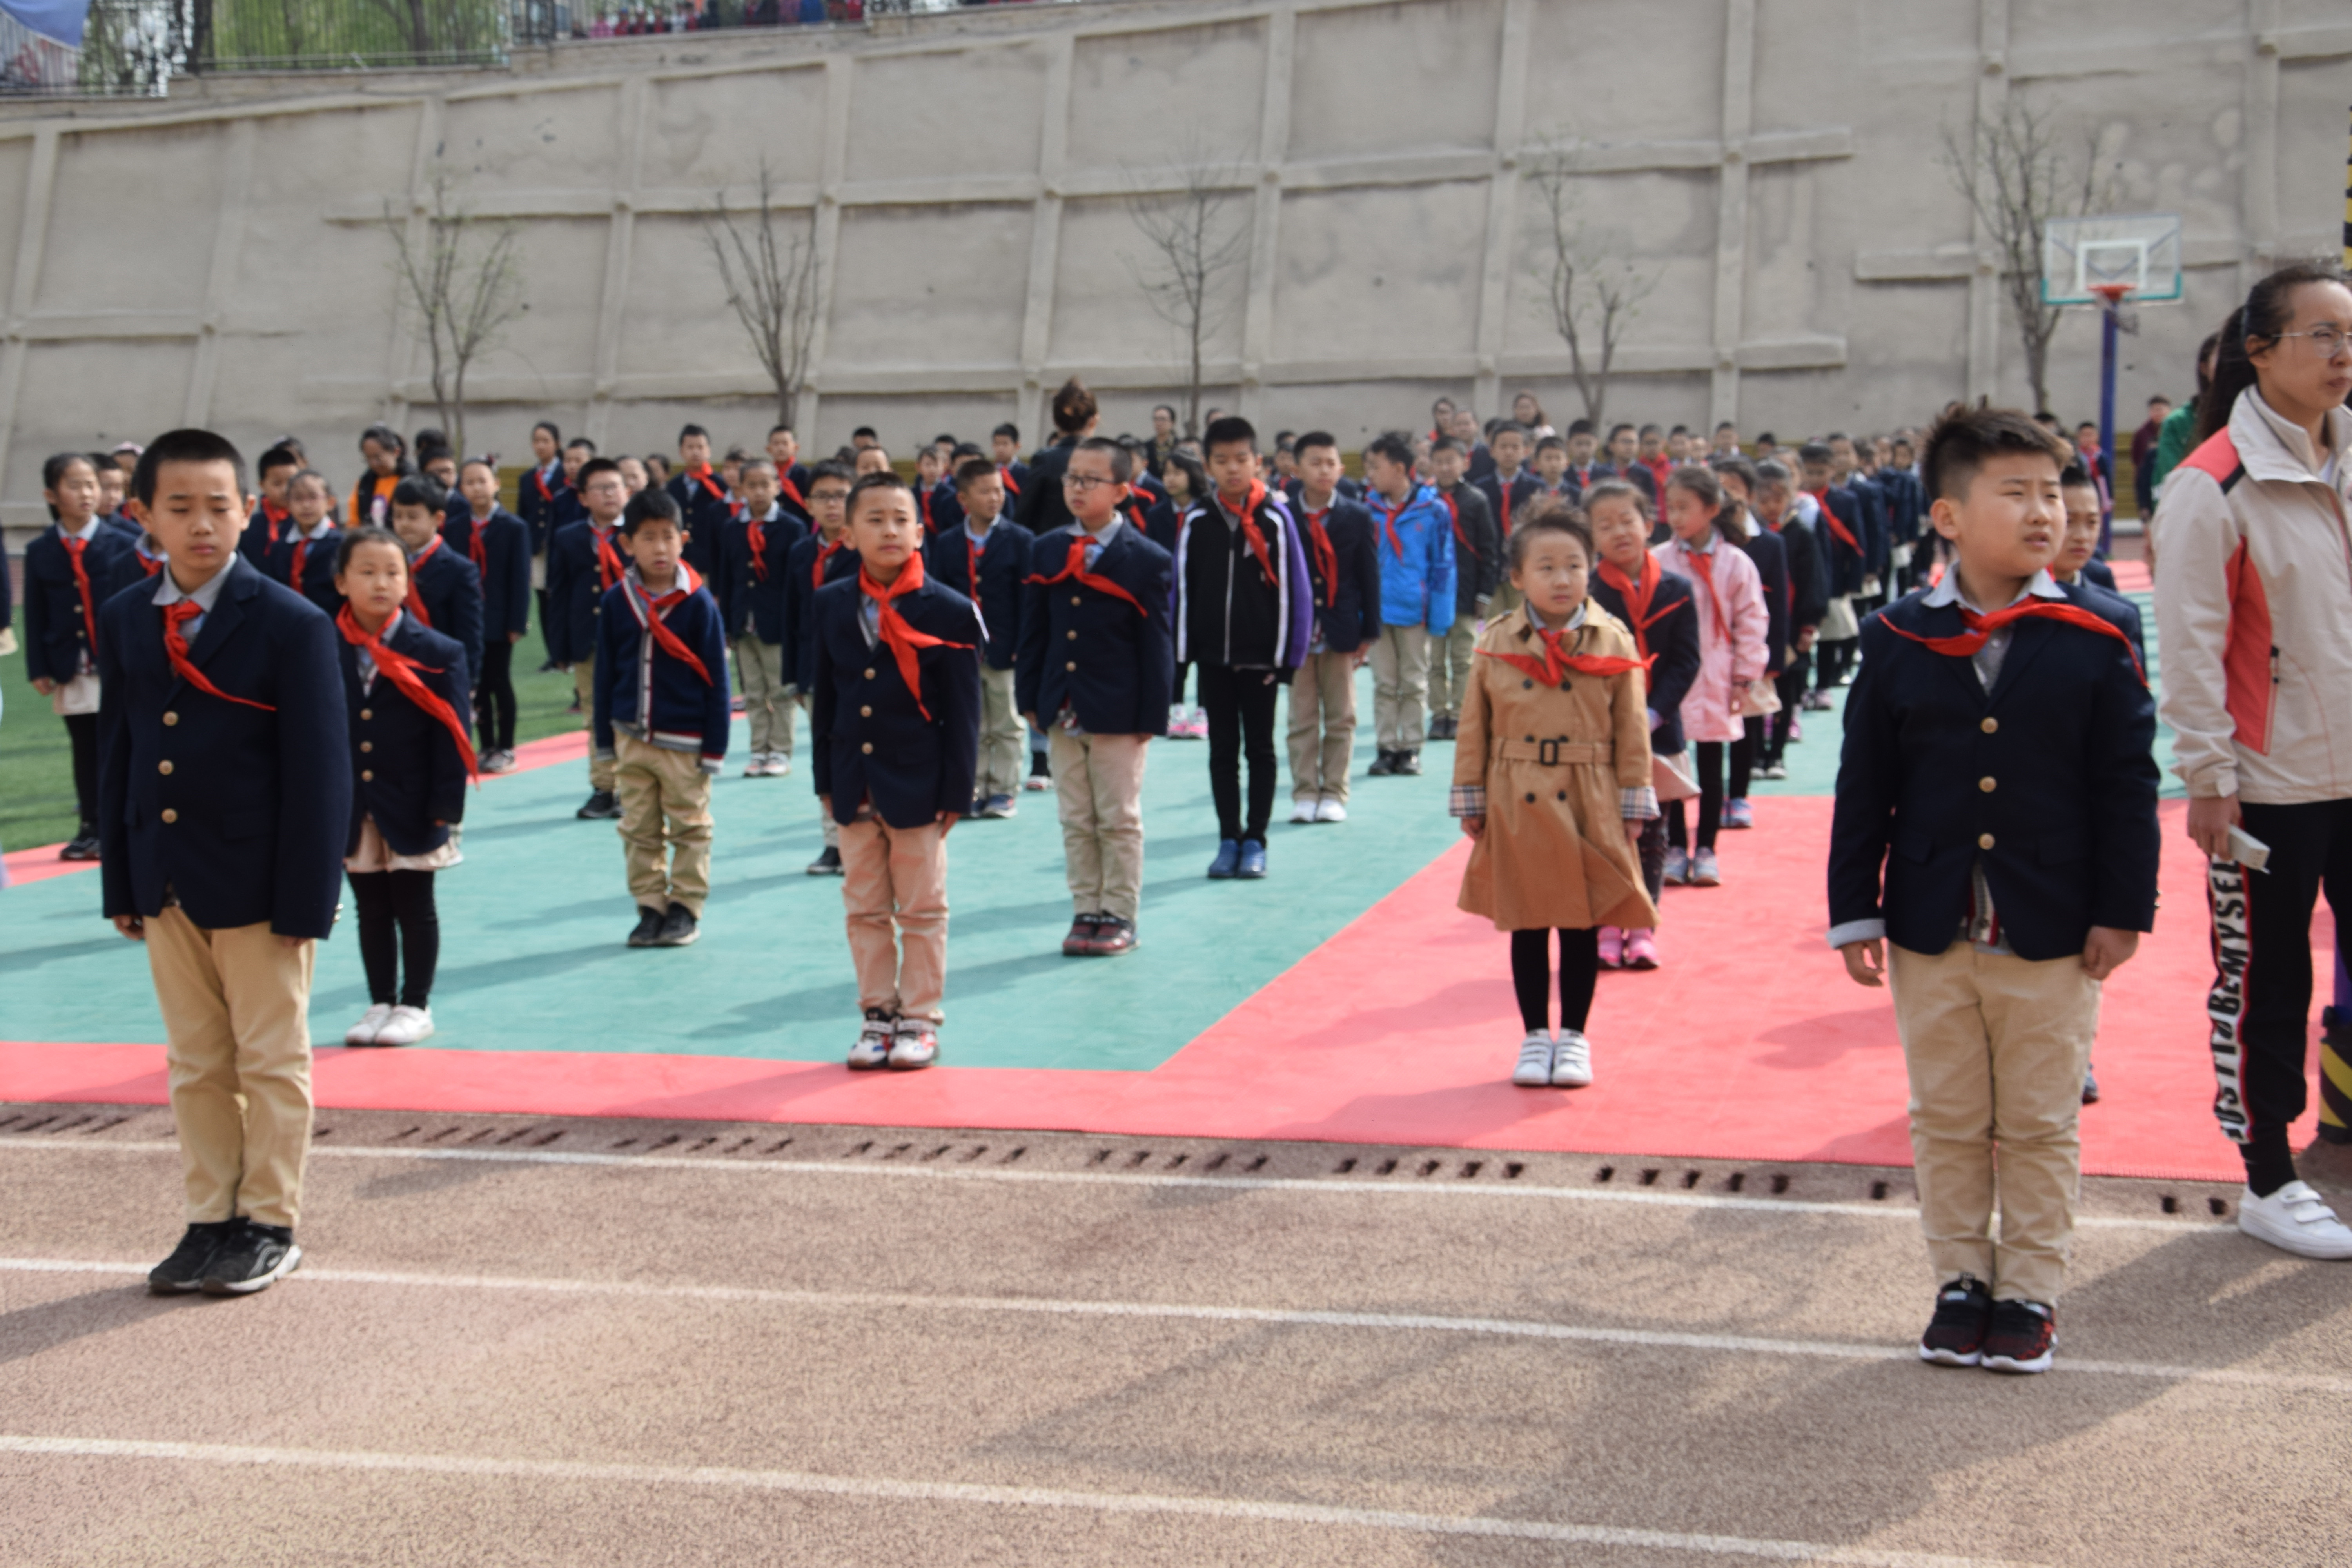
[[2139, 249]]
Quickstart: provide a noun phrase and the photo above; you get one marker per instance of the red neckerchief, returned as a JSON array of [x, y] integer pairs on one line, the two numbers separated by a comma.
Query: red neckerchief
[[415, 603], [1845, 534], [609, 570], [149, 565], [1251, 530], [784, 483], [973, 550], [176, 648], [539, 477], [476, 549], [650, 612], [1076, 568], [1134, 509], [755, 535], [1388, 514], [301, 556], [1553, 667], [1503, 488], [74, 547], [923, 499], [825, 552], [1638, 595], [402, 670], [1327, 557], [701, 476], [905, 643], [1012, 486], [1453, 510], [273, 514], [1704, 566], [1659, 467], [1980, 627]]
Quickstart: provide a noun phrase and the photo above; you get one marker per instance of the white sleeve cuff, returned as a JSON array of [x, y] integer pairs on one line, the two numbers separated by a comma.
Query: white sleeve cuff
[[1857, 931]]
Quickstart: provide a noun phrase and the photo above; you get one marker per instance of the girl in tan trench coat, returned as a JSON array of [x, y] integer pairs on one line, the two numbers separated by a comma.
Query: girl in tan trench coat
[[1551, 780]]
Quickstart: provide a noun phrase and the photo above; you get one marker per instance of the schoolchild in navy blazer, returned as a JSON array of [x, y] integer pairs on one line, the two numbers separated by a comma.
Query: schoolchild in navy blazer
[[1107, 656], [1002, 564], [500, 548], [815, 562], [445, 592], [664, 699], [579, 576], [874, 741], [761, 581], [247, 822], [410, 777], [58, 626], [304, 562]]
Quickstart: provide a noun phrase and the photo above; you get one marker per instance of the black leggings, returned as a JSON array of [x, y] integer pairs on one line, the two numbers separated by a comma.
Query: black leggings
[[1652, 847], [1240, 705], [494, 696], [1790, 684], [81, 734], [1708, 756], [1579, 967], [397, 919], [1744, 755], [1831, 659], [1176, 691]]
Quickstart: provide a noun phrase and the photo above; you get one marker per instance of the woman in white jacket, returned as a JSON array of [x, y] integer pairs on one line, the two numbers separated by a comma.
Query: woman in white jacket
[[1728, 596], [2253, 613]]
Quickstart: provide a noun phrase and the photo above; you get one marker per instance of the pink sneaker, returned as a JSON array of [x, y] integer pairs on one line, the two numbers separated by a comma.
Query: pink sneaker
[[1612, 948], [1641, 950]]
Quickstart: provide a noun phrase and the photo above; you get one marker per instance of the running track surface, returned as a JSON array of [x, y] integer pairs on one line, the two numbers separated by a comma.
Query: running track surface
[[1361, 1007]]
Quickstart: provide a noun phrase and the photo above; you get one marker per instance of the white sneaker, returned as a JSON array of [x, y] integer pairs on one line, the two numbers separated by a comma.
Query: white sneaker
[[363, 1033], [1331, 811], [1302, 811], [499, 761], [779, 765], [1534, 1070], [756, 765], [405, 1026], [873, 1046], [917, 1045], [2294, 1219], [1703, 873], [1677, 868], [1572, 1060]]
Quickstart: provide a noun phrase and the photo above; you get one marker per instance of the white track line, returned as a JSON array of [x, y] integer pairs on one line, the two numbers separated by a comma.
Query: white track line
[[803, 1483], [1407, 1185], [1501, 1328]]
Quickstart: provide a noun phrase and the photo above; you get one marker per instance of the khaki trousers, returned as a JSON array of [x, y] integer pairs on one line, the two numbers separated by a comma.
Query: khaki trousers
[[1099, 786], [236, 1010], [584, 685], [665, 805], [1449, 676], [1400, 687], [767, 700], [1997, 1047], [893, 888], [1004, 755], [1322, 733]]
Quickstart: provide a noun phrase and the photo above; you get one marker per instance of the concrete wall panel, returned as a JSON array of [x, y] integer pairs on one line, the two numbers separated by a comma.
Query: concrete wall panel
[[922, 287], [539, 141], [95, 265], [1359, 69], [95, 394], [1391, 270], [714, 131], [1141, 101], [1573, 87], [923, 116], [1101, 315]]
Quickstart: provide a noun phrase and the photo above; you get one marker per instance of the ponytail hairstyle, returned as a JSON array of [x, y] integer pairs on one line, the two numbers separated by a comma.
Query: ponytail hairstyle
[[2253, 326], [1074, 408], [390, 440], [1730, 517]]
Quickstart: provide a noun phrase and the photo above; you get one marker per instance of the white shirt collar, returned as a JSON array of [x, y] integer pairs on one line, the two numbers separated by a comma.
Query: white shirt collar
[[1575, 617], [167, 592], [86, 532], [326, 526], [1947, 591], [1100, 541]]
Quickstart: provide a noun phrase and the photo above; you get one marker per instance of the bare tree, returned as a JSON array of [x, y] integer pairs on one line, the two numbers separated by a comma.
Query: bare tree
[[462, 278], [1593, 288], [2010, 168], [767, 265], [1194, 239]]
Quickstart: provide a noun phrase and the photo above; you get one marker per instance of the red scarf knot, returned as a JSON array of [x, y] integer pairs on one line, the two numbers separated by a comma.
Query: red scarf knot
[[1845, 535], [74, 547], [415, 603], [1554, 667], [1638, 596], [825, 550], [652, 615], [407, 677], [755, 535], [1980, 627], [176, 648], [1702, 565], [1252, 532], [609, 568], [1074, 568], [905, 643], [1327, 556]]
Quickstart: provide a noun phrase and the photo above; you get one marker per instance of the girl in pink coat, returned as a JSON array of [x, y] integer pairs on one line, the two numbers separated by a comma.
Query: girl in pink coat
[[1728, 596]]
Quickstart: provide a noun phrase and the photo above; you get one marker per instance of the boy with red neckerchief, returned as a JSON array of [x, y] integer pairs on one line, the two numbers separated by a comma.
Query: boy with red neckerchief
[[1841, 527], [895, 673], [984, 557], [444, 588], [662, 714], [759, 546], [498, 544], [1344, 571], [825, 556], [584, 564], [704, 506]]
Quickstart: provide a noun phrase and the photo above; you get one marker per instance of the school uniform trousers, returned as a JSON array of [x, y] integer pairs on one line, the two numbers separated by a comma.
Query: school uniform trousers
[[222, 826], [1345, 577], [956, 560], [664, 724], [1478, 575], [891, 756], [757, 565], [1989, 812], [499, 549], [812, 566], [1095, 667], [578, 578]]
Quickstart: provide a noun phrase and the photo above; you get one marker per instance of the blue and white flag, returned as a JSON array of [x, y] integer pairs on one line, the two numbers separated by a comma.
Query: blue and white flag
[[60, 20]]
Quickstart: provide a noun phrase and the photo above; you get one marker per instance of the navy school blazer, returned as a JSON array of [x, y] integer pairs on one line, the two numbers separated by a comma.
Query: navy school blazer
[[1672, 641], [672, 701], [451, 592], [1348, 613], [801, 583], [505, 568], [545, 505], [873, 743], [2066, 831], [259, 535], [1113, 663], [706, 528], [407, 770], [56, 630], [575, 591], [757, 591], [318, 584], [258, 799], [1004, 562], [1766, 548]]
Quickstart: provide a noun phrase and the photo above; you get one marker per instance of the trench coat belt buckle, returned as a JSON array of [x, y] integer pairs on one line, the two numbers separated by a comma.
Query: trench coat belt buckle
[[1556, 752]]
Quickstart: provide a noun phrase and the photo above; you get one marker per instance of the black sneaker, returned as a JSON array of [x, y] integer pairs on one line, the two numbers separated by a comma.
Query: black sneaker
[[2090, 1086], [185, 1270], [1956, 1334], [1407, 766], [601, 806], [254, 1258], [827, 864], [84, 846], [677, 928], [1079, 943], [649, 927], [1113, 936], [2022, 1337], [1382, 765]]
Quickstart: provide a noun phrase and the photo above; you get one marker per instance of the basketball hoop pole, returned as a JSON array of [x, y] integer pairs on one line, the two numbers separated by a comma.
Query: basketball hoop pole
[[2110, 296]]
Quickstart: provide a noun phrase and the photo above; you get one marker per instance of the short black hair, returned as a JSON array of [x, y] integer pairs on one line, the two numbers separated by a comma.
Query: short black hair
[[1964, 439], [651, 505], [365, 533], [2074, 476], [478, 463], [385, 435], [1549, 514], [420, 490], [829, 469], [1652, 430], [880, 479], [685, 430], [430, 440], [592, 468], [1582, 427], [580, 444], [1009, 430], [190, 445], [1727, 425], [1392, 445], [1122, 461], [1813, 452], [1227, 430], [1551, 443], [972, 471], [783, 430], [274, 459], [1617, 430], [864, 430], [1314, 439], [1446, 444]]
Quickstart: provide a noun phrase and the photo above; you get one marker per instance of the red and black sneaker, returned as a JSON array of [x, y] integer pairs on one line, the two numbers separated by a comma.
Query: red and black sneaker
[[1956, 1334], [2022, 1336], [1080, 942], [1113, 936]]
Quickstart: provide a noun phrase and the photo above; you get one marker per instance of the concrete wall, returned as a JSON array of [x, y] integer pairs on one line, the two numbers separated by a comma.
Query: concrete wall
[[219, 258]]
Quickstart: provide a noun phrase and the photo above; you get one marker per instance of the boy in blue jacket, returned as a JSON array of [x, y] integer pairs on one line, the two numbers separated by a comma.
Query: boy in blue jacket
[[984, 557], [1344, 573], [662, 712], [225, 801], [1993, 859], [895, 676], [1414, 537]]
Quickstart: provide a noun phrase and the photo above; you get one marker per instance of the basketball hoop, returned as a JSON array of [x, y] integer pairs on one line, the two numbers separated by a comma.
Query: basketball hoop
[[2112, 295]]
